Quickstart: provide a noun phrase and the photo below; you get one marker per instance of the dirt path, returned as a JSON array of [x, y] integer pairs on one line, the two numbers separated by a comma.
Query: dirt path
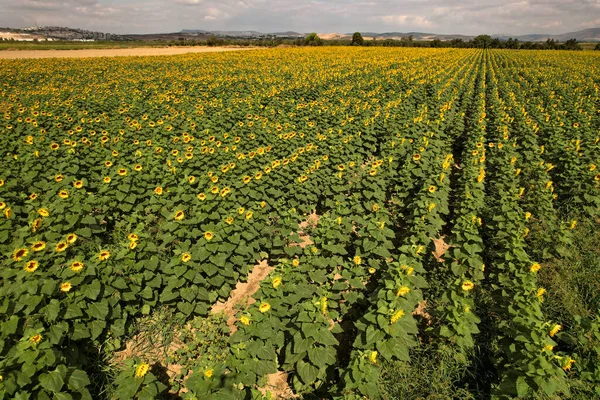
[[139, 51]]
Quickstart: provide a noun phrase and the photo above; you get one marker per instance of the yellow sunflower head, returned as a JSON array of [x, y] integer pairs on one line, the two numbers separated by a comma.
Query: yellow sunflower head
[[38, 246], [65, 286], [31, 266], [76, 266], [61, 246]]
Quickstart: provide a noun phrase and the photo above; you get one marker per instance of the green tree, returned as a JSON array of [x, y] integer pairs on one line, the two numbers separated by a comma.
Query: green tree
[[482, 41], [357, 39], [572, 44], [313, 40], [597, 47]]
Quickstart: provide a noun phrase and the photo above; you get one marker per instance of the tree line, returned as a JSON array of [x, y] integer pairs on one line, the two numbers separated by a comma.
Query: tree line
[[481, 41]]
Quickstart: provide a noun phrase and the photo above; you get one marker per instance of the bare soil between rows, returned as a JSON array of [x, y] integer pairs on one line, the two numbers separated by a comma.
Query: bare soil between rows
[[135, 51]]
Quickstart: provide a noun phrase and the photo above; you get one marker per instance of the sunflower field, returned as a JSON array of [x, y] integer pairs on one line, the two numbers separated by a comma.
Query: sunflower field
[[400, 198]]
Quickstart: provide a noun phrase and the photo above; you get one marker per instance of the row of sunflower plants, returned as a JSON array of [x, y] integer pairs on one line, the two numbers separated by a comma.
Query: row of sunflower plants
[[528, 364], [456, 321], [388, 328]]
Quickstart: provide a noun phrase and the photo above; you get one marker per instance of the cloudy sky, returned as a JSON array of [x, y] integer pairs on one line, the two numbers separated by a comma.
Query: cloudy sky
[[324, 16]]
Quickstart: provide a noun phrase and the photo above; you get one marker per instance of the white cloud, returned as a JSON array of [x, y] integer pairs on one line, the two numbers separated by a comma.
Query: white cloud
[[469, 17], [591, 24], [402, 21]]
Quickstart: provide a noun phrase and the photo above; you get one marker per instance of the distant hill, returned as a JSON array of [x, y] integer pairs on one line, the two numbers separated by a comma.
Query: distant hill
[[63, 33], [243, 34], [586, 35]]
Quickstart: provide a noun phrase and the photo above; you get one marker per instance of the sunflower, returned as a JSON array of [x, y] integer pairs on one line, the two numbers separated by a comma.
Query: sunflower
[[19, 253], [61, 246], [467, 285], [535, 267], [568, 364], [372, 270], [264, 307], [373, 357], [540, 293], [65, 286], [555, 330], [76, 266], [191, 179], [375, 207], [108, 164], [573, 224], [208, 235], [241, 210], [122, 172], [38, 246], [295, 262], [214, 190], [106, 179], [103, 255], [78, 184], [276, 282], [225, 191], [402, 291], [185, 257], [158, 190], [179, 215], [432, 189], [71, 238], [33, 196], [246, 180], [214, 179], [63, 194], [35, 339], [249, 214], [54, 146], [132, 245], [31, 266], [416, 157], [137, 168], [37, 223], [245, 320], [229, 220], [141, 370], [357, 260], [208, 373], [373, 172], [396, 316], [341, 167]]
